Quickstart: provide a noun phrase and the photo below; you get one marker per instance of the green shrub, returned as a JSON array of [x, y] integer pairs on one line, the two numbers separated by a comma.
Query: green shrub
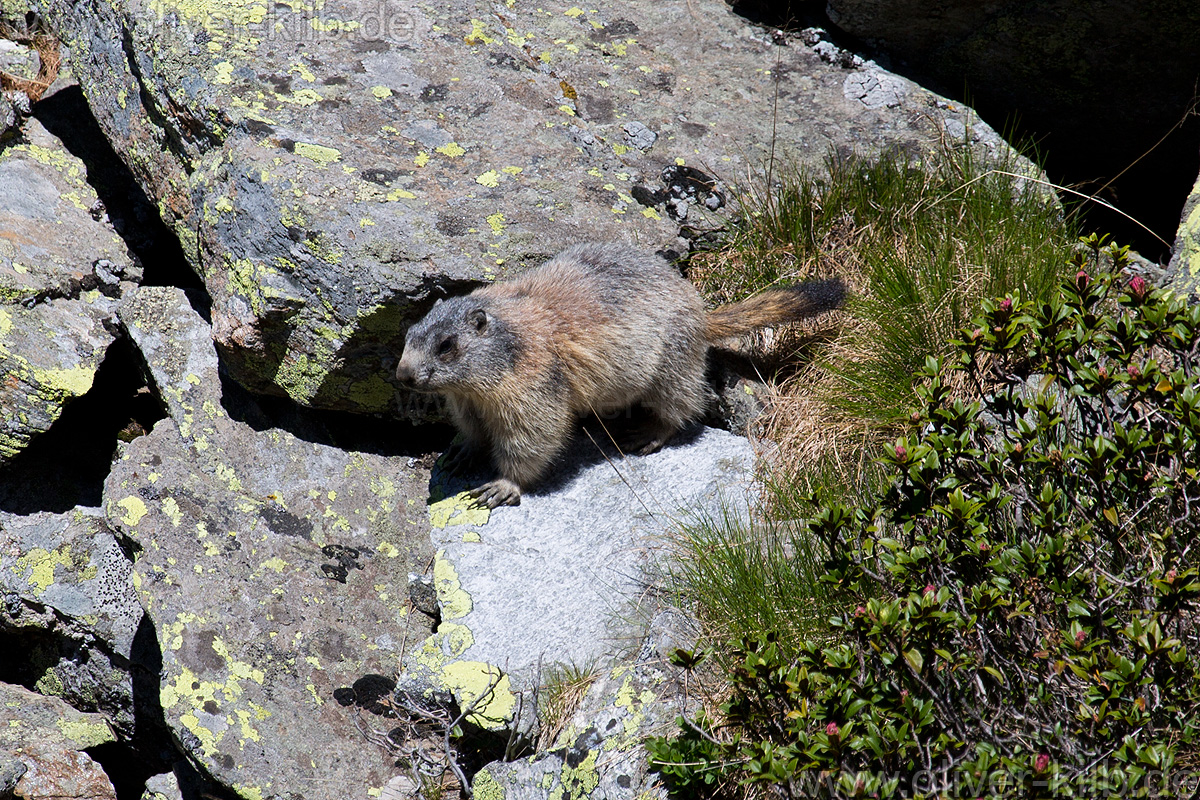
[[1020, 604]]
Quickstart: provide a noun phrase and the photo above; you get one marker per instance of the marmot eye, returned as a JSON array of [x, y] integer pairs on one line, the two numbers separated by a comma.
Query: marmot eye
[[446, 346]]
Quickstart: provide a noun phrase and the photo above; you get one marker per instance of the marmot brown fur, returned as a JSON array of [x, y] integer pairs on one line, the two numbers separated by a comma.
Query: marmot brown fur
[[597, 329]]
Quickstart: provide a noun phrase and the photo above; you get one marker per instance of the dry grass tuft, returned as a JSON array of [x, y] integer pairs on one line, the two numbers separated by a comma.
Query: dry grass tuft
[[918, 245], [562, 690]]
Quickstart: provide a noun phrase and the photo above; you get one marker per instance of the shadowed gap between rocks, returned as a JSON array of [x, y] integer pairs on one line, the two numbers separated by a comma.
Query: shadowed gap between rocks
[[134, 216], [341, 429], [129, 761], [153, 751], [66, 465], [785, 14]]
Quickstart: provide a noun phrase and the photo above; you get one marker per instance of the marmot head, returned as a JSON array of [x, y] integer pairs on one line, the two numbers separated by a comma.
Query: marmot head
[[460, 344]]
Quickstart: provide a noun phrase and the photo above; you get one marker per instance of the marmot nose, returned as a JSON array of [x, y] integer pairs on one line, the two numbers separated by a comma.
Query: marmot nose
[[405, 374]]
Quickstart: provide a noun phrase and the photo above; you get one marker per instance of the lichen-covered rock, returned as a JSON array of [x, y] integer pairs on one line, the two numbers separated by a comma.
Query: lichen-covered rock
[[162, 787], [60, 271], [18, 60], [332, 167], [274, 571], [43, 741], [560, 578], [8, 118], [70, 607], [597, 751], [1184, 269]]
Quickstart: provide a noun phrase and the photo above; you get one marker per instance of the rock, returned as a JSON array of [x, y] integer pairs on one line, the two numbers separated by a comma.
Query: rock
[[182, 782], [333, 169], [597, 749], [70, 606], [741, 394], [601, 759], [1184, 269], [22, 63], [422, 594], [558, 579], [274, 571], [162, 787], [11, 770], [53, 307], [1019, 59], [43, 740], [22, 104], [8, 118], [638, 135], [18, 60]]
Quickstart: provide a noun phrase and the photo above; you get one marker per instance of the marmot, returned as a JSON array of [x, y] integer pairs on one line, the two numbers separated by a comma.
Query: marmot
[[597, 329]]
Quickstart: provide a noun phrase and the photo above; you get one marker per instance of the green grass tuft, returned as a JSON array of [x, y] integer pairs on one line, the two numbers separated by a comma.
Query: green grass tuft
[[920, 243], [742, 579]]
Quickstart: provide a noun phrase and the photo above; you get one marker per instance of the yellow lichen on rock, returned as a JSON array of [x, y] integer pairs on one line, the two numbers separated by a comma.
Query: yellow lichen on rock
[[459, 509], [135, 509]]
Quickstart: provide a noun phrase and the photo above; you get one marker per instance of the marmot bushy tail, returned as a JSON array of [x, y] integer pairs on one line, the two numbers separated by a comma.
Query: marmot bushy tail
[[774, 307], [596, 329]]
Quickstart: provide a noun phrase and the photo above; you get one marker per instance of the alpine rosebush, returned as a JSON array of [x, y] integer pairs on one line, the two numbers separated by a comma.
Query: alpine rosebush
[[1020, 605]]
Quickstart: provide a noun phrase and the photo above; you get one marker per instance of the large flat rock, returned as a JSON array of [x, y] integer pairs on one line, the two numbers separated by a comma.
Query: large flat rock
[[565, 579], [332, 167]]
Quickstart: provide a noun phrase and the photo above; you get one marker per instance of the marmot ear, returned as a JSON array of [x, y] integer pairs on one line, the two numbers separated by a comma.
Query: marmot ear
[[479, 319]]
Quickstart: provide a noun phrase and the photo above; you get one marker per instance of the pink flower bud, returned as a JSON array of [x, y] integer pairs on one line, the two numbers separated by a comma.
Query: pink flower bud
[[1006, 305], [901, 452], [1041, 763], [1137, 286], [930, 589], [832, 729]]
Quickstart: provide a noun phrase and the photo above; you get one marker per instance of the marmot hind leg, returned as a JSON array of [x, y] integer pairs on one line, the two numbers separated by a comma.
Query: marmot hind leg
[[674, 403]]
